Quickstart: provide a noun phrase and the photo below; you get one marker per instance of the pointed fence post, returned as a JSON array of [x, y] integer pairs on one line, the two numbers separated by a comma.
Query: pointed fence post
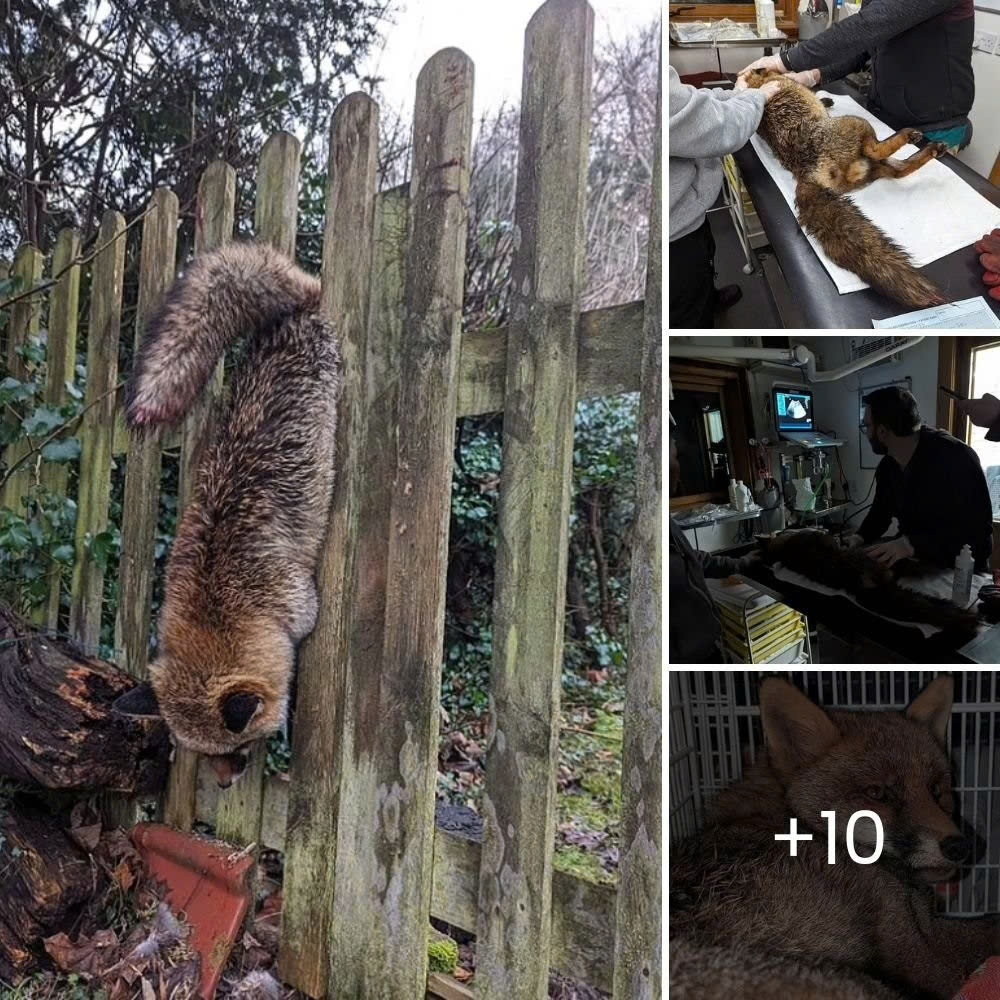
[[638, 940], [61, 368], [97, 429], [385, 835], [515, 882], [324, 657]]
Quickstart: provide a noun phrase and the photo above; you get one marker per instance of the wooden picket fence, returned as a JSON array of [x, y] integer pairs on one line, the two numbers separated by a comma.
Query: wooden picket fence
[[364, 864]]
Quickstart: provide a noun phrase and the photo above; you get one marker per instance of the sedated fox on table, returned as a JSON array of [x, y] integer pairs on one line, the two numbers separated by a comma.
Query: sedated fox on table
[[831, 156]]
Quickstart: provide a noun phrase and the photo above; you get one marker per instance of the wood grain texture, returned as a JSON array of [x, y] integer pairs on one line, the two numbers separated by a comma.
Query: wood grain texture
[[383, 882], [96, 428], [24, 321], [638, 947], [583, 913], [515, 883], [60, 355], [324, 656]]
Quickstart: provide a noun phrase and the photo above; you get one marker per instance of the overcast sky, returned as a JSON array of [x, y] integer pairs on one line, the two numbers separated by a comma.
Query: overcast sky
[[490, 33]]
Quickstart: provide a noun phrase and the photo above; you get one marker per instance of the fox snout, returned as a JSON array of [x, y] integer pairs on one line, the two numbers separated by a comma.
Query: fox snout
[[228, 766], [955, 849]]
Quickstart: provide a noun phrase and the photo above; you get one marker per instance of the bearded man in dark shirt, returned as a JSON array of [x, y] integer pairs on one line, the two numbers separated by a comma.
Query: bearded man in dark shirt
[[931, 482]]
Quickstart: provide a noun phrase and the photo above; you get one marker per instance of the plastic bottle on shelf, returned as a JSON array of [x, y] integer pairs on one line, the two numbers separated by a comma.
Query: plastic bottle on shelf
[[732, 493], [744, 501], [961, 588]]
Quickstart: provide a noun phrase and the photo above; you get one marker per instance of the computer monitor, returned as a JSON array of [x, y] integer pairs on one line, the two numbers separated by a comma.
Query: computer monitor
[[793, 409]]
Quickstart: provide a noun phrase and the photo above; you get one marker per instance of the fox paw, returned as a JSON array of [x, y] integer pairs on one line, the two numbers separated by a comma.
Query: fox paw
[[938, 148], [914, 135]]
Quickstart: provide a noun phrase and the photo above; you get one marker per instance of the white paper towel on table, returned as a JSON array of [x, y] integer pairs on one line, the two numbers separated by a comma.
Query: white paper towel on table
[[932, 585], [931, 213]]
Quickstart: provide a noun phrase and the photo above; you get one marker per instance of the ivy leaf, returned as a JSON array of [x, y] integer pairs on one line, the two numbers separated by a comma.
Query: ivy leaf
[[16, 537], [65, 450], [63, 554], [44, 420], [14, 391]]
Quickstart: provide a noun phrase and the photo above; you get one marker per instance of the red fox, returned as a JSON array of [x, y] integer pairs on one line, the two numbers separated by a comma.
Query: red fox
[[818, 555], [240, 589], [749, 920], [830, 156]]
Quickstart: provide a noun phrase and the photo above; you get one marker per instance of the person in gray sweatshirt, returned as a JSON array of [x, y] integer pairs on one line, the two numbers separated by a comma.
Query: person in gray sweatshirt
[[704, 126]]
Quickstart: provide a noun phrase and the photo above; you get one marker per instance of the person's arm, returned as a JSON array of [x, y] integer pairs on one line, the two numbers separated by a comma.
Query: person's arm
[[880, 516], [716, 566], [861, 32], [701, 125], [970, 520], [840, 69]]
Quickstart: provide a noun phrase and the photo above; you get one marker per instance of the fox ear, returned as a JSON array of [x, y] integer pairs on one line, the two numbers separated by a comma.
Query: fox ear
[[796, 731], [239, 708], [933, 706], [140, 701]]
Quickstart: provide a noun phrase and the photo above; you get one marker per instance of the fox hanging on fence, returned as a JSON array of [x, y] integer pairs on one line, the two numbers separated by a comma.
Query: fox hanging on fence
[[749, 920], [240, 590]]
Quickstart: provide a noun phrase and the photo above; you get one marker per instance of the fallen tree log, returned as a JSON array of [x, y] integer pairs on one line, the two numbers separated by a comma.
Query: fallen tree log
[[57, 727], [44, 878]]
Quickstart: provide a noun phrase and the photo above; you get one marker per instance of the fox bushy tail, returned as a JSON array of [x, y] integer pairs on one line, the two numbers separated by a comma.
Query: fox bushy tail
[[240, 290], [854, 242]]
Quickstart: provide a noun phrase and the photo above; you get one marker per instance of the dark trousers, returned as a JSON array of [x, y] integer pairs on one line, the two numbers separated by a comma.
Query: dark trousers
[[692, 280]]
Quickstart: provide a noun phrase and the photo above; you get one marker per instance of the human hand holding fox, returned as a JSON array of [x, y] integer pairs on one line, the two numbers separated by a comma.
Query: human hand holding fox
[[989, 248], [807, 77]]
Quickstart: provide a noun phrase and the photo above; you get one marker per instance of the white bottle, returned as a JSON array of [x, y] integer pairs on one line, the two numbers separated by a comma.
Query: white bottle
[[732, 493], [961, 588], [743, 498]]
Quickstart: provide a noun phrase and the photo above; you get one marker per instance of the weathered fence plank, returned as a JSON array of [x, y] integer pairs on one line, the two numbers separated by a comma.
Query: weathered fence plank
[[276, 216], [24, 323], [583, 913], [383, 883], [60, 354], [141, 503], [214, 219], [638, 957], [96, 429], [142, 470], [608, 359], [358, 813], [25, 314], [514, 927], [323, 659]]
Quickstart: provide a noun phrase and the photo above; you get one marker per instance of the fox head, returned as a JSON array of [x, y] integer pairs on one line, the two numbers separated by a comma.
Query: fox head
[[892, 764], [218, 696], [756, 77]]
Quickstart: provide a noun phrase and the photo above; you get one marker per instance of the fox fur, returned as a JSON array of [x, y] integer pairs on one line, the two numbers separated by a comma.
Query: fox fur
[[240, 592], [831, 156], [749, 920], [818, 555]]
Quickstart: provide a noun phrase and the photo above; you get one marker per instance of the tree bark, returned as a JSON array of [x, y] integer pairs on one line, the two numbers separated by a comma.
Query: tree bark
[[44, 877], [57, 728]]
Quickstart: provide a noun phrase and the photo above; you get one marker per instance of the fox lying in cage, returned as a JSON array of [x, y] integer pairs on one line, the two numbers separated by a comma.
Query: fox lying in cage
[[818, 555], [752, 917]]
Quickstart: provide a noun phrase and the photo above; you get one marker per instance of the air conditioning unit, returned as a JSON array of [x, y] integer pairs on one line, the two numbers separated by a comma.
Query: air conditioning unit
[[863, 347]]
